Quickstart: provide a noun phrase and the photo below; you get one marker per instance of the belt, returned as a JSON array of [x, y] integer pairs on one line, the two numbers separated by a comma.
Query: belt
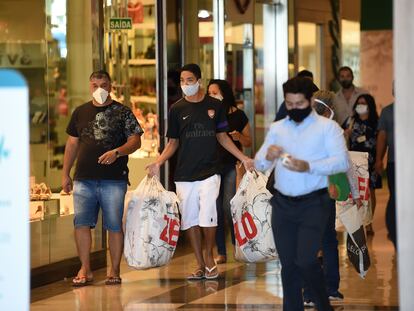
[[304, 196]]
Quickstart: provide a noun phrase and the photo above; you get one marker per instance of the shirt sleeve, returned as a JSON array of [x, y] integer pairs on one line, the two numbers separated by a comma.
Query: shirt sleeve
[[132, 126], [222, 125], [260, 159], [382, 126], [337, 160], [173, 130], [243, 121], [71, 128]]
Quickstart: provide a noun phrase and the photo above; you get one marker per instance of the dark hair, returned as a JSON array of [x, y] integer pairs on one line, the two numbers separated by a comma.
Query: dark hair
[[194, 68], [225, 89], [305, 74], [372, 107], [100, 74], [343, 68], [300, 85]]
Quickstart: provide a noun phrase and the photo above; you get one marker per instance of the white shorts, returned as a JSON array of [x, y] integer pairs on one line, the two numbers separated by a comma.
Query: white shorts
[[198, 202]]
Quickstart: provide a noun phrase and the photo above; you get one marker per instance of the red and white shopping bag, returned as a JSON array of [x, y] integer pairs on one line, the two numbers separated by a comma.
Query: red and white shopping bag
[[252, 213], [152, 225]]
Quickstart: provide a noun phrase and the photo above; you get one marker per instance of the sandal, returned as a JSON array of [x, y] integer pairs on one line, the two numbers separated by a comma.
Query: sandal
[[80, 281], [208, 274], [113, 280], [196, 275]]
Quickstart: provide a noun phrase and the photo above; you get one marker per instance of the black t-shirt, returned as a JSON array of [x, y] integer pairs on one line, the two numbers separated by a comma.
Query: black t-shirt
[[196, 125], [99, 130], [237, 122]]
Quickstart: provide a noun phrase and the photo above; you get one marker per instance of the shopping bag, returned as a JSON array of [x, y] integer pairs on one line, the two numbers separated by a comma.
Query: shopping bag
[[252, 213], [152, 225], [356, 244], [358, 171]]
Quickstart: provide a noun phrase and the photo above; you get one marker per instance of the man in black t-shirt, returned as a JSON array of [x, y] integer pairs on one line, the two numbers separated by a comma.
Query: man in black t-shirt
[[102, 133], [195, 124]]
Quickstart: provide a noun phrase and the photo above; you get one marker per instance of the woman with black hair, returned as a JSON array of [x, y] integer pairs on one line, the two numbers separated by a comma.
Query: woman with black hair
[[361, 132], [239, 132]]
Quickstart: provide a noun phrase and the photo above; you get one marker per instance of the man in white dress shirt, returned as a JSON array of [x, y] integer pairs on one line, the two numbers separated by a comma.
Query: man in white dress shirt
[[307, 149]]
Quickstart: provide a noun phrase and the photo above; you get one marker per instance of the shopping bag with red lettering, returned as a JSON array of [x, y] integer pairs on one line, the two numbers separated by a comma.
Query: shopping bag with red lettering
[[152, 225], [359, 172], [252, 213]]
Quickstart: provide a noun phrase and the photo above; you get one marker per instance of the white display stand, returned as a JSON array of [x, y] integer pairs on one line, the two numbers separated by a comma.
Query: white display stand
[[14, 192]]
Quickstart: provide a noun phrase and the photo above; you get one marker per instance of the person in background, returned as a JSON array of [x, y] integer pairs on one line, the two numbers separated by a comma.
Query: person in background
[[385, 142], [346, 96], [307, 148], [361, 132], [239, 132], [196, 124], [282, 112], [102, 133]]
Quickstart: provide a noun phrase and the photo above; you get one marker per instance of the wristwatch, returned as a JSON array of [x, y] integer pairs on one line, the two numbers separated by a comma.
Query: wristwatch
[[117, 153]]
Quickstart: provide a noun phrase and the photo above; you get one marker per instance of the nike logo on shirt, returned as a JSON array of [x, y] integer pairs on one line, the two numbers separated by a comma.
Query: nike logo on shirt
[[185, 117]]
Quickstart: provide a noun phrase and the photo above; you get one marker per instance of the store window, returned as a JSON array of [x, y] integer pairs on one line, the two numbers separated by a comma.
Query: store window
[[310, 47], [130, 57], [351, 35], [50, 43]]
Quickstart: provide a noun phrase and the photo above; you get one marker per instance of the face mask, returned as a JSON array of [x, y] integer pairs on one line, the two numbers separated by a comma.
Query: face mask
[[217, 96], [324, 107], [100, 95], [346, 84], [190, 90], [361, 109], [298, 115]]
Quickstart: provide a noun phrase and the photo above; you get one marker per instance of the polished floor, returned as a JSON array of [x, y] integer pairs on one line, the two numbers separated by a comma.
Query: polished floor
[[240, 286]]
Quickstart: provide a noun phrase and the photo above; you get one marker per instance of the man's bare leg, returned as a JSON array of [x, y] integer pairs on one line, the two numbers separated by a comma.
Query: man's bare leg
[[83, 240], [116, 247], [210, 241], [194, 235]]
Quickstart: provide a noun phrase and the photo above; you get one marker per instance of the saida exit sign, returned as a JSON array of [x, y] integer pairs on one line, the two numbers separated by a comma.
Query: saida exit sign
[[120, 23]]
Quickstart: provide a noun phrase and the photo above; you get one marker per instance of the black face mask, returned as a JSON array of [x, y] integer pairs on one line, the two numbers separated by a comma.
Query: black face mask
[[298, 115], [346, 84]]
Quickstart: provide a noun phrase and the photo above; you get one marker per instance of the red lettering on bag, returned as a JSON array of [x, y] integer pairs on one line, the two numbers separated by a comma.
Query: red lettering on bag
[[170, 232], [249, 229], [363, 187]]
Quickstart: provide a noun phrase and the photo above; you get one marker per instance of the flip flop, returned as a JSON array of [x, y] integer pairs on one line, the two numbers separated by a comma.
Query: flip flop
[[113, 280], [209, 276], [196, 275], [80, 281]]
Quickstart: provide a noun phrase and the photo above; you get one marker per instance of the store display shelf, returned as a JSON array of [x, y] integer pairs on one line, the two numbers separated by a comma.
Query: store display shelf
[[141, 62], [144, 99]]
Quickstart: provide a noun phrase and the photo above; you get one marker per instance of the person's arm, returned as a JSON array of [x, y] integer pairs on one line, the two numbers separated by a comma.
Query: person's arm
[[226, 142], [71, 152], [168, 152], [243, 137], [133, 143], [381, 148]]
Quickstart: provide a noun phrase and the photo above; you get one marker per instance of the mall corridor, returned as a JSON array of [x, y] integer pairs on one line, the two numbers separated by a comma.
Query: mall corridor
[[240, 286]]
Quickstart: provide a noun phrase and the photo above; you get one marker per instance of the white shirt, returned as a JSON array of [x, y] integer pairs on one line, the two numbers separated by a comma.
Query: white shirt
[[343, 107], [317, 140]]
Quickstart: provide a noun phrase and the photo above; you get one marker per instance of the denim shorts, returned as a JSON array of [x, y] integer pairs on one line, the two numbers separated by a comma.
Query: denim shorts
[[90, 195]]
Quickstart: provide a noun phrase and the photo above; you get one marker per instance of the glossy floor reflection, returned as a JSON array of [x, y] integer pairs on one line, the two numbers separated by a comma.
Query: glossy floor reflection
[[240, 286]]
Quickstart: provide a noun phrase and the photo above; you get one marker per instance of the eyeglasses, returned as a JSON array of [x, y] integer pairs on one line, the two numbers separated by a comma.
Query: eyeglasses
[[321, 107]]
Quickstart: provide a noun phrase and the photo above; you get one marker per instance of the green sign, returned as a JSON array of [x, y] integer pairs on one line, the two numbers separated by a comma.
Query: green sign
[[119, 23]]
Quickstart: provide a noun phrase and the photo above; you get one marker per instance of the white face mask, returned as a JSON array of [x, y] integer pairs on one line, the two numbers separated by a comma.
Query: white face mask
[[361, 109], [100, 95], [190, 90], [217, 96]]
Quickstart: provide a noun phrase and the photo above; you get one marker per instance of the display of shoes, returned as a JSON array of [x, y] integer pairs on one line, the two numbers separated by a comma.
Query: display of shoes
[[40, 192]]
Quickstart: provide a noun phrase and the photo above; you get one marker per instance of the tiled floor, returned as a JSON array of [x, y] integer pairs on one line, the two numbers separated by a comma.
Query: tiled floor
[[240, 286]]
